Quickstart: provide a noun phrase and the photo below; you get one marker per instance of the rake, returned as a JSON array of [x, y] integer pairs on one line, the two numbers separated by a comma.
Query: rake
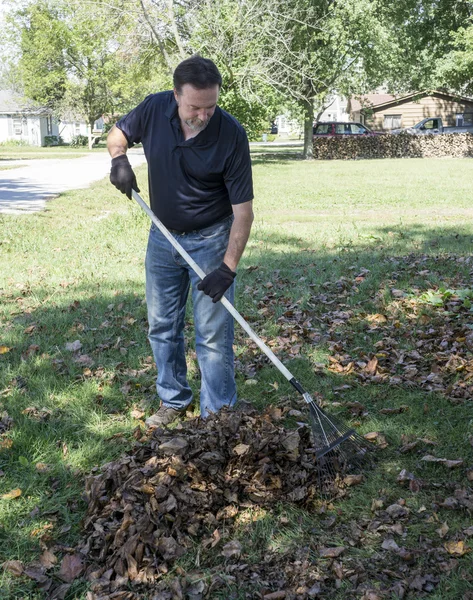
[[337, 447]]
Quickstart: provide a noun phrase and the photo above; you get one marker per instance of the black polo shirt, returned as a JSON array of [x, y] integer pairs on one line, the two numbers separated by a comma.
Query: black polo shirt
[[192, 183]]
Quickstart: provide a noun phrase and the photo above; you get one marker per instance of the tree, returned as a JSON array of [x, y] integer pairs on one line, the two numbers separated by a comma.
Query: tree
[[73, 58]]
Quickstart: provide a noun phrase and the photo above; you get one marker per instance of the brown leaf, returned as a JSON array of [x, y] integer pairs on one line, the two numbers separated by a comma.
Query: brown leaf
[[450, 464], [331, 552], [241, 449], [390, 545], [169, 548], [443, 530], [74, 346], [394, 411], [71, 567], [4, 349], [275, 595], [232, 549], [350, 480], [176, 445], [15, 567]]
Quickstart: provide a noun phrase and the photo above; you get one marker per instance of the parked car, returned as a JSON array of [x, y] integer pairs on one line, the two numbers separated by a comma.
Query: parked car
[[431, 126], [338, 128]]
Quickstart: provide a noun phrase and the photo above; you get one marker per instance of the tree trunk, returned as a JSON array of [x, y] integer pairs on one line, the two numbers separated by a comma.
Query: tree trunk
[[89, 133], [308, 107]]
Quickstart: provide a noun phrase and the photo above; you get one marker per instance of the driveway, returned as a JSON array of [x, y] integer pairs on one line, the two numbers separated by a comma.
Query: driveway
[[27, 188]]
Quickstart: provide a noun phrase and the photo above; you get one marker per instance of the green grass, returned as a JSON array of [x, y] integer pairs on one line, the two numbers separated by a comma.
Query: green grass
[[31, 152], [75, 272]]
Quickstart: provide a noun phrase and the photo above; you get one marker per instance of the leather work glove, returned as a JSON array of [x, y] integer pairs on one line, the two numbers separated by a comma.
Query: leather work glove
[[216, 283], [122, 176]]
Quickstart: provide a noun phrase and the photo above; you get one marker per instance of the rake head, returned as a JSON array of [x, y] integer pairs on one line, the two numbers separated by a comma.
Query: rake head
[[339, 449]]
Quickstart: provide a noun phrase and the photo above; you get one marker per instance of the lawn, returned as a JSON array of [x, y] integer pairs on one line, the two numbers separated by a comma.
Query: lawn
[[359, 277], [13, 152]]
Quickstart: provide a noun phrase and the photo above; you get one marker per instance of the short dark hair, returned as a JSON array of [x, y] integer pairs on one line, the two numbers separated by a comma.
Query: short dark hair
[[201, 73]]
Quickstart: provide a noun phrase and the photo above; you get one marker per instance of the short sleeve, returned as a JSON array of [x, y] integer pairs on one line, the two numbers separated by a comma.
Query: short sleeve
[[133, 124], [238, 176]]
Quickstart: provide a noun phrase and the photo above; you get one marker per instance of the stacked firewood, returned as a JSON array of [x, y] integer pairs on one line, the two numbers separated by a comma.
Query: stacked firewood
[[404, 145]]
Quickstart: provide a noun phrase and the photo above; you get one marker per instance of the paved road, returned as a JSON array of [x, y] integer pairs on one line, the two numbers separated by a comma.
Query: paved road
[[27, 188]]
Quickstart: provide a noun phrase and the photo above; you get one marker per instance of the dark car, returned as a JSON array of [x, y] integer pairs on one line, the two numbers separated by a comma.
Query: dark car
[[338, 128]]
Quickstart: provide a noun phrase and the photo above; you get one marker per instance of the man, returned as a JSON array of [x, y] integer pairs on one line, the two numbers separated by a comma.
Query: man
[[200, 186]]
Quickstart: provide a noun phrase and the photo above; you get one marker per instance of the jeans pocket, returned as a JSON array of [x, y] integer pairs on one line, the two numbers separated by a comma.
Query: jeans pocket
[[213, 231]]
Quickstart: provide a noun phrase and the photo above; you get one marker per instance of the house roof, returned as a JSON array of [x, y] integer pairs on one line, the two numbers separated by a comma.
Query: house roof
[[12, 103], [401, 99], [370, 100]]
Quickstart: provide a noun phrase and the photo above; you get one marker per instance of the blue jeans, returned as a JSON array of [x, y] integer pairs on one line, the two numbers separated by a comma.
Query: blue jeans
[[168, 279]]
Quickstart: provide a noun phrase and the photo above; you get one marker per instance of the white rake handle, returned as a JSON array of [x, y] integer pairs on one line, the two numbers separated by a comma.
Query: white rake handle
[[231, 309]]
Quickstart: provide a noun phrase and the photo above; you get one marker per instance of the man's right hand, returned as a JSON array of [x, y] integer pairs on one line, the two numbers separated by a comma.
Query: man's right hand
[[122, 176]]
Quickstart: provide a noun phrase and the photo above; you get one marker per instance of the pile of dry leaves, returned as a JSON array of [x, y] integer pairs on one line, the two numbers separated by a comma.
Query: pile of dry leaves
[[183, 488]]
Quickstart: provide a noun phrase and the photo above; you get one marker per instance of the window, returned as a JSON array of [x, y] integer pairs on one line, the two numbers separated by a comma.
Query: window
[[342, 128], [431, 124], [49, 125], [17, 126], [77, 128], [392, 121], [464, 120], [323, 129], [357, 129]]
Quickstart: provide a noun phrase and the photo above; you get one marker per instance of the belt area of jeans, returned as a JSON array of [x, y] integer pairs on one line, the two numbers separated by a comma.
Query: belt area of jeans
[[177, 232]]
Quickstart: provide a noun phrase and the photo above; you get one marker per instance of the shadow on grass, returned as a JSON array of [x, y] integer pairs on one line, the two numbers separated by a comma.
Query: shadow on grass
[[71, 409]]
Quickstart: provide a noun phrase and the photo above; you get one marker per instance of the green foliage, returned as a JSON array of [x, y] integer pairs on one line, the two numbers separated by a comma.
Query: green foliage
[[79, 140], [13, 143], [53, 140], [42, 64], [455, 69]]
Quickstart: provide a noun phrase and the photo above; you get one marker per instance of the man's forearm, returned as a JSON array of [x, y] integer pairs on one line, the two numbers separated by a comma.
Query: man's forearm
[[116, 142], [239, 234]]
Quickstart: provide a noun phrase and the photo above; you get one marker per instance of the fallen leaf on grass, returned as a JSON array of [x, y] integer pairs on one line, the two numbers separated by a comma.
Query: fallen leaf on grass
[[331, 552], [71, 567], [379, 438], [84, 360], [47, 559], [74, 346], [275, 595], [11, 495], [457, 548], [394, 411], [450, 464], [231, 549], [350, 480], [442, 531], [390, 545], [4, 349], [15, 567]]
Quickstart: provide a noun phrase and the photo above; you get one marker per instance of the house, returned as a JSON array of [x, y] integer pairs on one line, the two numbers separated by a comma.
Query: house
[[25, 122], [386, 112], [336, 109]]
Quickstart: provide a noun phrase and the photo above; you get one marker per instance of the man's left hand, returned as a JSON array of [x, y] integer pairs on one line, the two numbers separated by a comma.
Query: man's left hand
[[216, 283]]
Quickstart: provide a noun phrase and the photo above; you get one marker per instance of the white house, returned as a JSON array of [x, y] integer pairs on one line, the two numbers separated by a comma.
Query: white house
[[336, 109], [20, 121]]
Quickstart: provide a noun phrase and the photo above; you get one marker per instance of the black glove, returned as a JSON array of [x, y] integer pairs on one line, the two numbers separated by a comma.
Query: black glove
[[216, 283], [122, 176]]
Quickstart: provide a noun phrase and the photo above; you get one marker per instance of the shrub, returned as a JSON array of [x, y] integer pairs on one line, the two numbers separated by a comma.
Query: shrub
[[51, 140], [79, 140]]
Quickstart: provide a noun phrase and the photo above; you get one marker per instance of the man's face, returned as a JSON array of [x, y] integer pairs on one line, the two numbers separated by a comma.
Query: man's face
[[196, 107]]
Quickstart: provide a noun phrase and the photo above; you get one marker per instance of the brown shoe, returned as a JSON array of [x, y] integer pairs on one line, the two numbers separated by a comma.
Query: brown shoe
[[165, 416]]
